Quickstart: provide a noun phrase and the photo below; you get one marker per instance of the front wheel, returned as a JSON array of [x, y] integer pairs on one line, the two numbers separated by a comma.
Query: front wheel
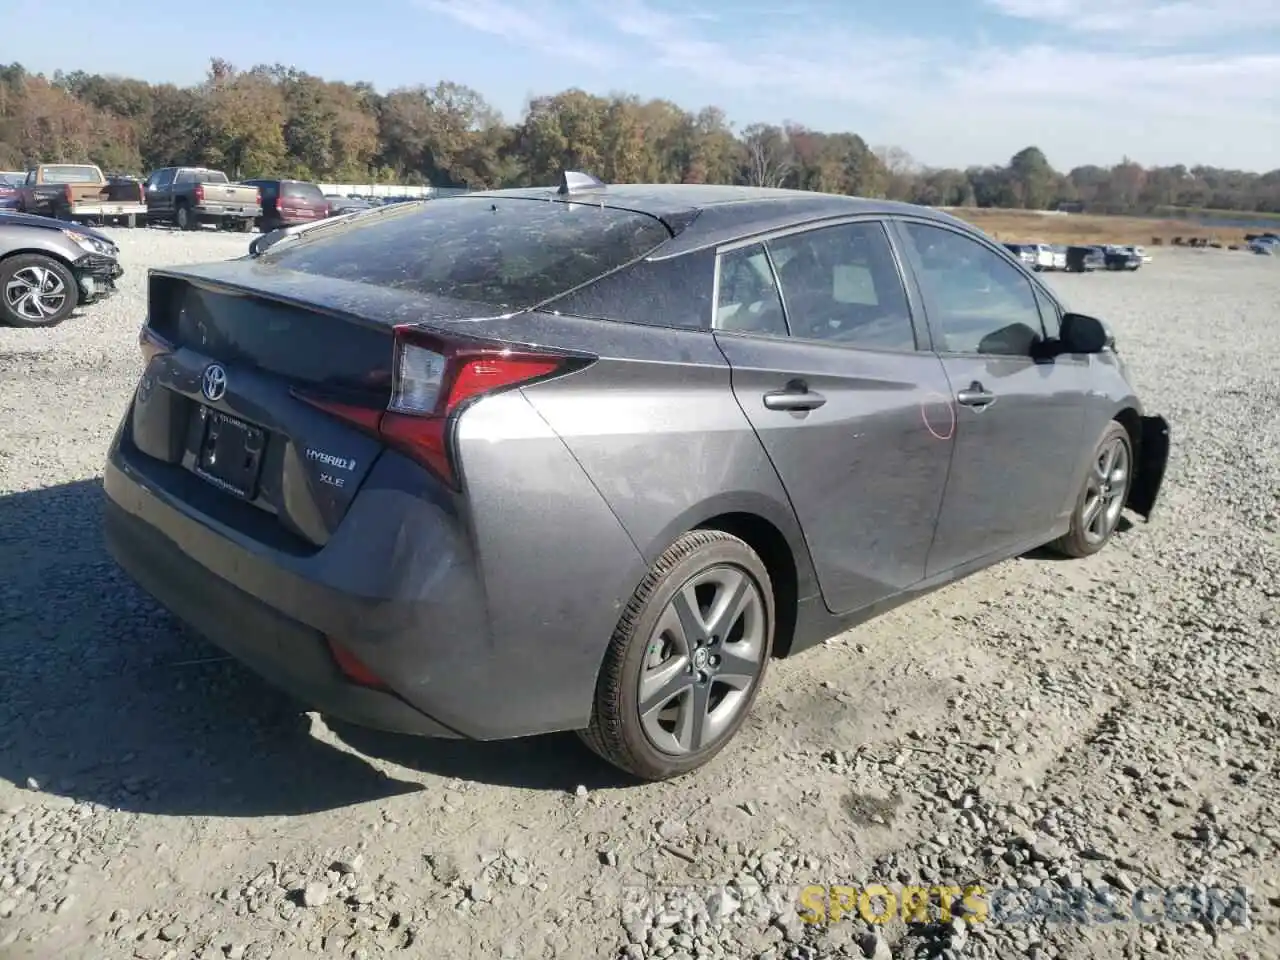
[[1102, 499], [36, 291], [686, 660]]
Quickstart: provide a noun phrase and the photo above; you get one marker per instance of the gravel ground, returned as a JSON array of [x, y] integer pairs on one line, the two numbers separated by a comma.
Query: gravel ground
[[1053, 729]]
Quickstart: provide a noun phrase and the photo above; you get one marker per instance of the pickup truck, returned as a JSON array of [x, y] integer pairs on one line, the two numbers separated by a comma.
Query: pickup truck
[[79, 191], [191, 196]]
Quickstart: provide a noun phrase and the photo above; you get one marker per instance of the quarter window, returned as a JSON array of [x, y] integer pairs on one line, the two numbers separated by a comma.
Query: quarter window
[[748, 300], [979, 302], [841, 284]]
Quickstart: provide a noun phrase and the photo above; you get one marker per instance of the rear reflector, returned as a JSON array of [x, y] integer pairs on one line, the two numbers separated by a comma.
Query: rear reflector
[[433, 377], [352, 668]]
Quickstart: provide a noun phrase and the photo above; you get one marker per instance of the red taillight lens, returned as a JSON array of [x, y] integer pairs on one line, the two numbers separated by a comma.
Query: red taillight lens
[[352, 668], [431, 379], [67, 194], [152, 345], [199, 192], [258, 198]]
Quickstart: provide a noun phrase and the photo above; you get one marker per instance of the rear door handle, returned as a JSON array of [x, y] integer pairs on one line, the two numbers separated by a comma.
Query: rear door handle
[[976, 396], [796, 396]]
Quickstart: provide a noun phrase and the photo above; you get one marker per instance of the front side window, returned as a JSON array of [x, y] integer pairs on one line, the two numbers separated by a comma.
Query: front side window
[[842, 284], [979, 302], [748, 300], [501, 251]]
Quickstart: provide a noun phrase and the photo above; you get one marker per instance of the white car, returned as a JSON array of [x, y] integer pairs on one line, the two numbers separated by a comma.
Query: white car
[[1045, 259]]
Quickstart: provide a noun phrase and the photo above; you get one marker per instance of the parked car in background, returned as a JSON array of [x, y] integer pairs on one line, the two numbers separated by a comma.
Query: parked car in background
[[1085, 258], [1266, 246], [1140, 253], [686, 428], [339, 205], [10, 181], [191, 196], [287, 203], [1025, 253], [48, 268], [1059, 256], [1121, 258], [79, 191]]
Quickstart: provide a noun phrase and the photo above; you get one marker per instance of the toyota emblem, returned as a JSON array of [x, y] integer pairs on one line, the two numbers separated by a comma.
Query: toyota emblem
[[214, 382]]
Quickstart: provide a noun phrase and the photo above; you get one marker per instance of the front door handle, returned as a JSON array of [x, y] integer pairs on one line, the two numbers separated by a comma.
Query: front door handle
[[796, 396], [976, 396]]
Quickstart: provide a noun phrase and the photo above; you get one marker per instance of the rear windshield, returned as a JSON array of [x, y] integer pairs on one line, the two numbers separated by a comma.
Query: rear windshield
[[211, 176], [68, 174], [303, 191], [502, 251]]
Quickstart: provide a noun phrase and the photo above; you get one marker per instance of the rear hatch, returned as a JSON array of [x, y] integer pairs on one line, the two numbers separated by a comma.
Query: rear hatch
[[301, 202], [217, 190], [269, 385]]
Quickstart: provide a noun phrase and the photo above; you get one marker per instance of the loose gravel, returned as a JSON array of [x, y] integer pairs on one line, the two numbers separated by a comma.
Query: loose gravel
[[1045, 729]]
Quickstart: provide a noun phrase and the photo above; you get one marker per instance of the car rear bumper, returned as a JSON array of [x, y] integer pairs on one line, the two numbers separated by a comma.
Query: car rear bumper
[[452, 604], [288, 654]]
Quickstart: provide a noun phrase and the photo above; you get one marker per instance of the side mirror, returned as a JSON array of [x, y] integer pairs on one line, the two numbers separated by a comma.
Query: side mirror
[[1083, 334]]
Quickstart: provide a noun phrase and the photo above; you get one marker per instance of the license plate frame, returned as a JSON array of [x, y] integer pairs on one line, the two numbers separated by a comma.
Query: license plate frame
[[230, 453]]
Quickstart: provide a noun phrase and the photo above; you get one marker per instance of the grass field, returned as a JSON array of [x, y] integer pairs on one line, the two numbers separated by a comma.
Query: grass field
[[1030, 226]]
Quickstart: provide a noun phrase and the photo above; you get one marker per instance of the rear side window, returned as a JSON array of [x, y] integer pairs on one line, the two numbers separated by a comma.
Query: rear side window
[[660, 293], [506, 252], [70, 174]]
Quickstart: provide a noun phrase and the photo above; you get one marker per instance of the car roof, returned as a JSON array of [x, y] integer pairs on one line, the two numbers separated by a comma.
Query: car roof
[[703, 215]]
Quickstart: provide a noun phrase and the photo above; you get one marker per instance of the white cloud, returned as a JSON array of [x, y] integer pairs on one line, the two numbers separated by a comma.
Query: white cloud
[[538, 26], [1148, 22], [946, 101]]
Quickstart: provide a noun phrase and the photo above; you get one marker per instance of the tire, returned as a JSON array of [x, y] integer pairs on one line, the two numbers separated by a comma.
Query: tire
[[183, 218], [245, 226], [1087, 536], [705, 565], [131, 221], [30, 285]]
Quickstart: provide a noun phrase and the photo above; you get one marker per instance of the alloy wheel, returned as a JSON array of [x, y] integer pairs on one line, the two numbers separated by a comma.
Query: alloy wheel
[[703, 659], [35, 293], [1106, 490]]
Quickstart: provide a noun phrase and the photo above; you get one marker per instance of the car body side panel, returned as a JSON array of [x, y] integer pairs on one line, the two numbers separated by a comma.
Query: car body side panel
[[664, 442], [866, 470]]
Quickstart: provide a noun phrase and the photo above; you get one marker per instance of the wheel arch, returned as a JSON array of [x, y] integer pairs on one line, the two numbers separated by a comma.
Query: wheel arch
[[771, 530], [38, 252]]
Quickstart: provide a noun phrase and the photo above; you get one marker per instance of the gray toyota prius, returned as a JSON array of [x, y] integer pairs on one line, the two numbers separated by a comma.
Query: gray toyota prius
[[589, 457]]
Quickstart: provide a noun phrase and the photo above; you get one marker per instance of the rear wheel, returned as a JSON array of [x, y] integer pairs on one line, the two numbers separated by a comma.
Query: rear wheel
[[686, 660], [36, 291], [1102, 499], [184, 218]]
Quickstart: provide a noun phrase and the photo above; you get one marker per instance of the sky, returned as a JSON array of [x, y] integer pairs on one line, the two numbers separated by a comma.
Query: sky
[[953, 82]]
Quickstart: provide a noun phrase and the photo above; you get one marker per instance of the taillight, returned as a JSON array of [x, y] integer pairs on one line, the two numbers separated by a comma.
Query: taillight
[[258, 198], [152, 345], [199, 193], [67, 193], [434, 378], [280, 204]]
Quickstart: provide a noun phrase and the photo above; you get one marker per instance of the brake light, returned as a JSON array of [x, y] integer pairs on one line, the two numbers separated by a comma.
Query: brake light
[[433, 379], [258, 198], [199, 193], [152, 345], [67, 193]]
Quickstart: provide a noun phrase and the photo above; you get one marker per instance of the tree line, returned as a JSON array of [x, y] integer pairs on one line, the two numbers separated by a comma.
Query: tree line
[[278, 121]]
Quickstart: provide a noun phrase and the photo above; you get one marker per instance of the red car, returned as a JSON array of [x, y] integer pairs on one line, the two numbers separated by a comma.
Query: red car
[[287, 203]]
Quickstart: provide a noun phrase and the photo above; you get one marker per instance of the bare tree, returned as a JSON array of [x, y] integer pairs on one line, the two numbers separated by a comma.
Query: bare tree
[[769, 156]]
